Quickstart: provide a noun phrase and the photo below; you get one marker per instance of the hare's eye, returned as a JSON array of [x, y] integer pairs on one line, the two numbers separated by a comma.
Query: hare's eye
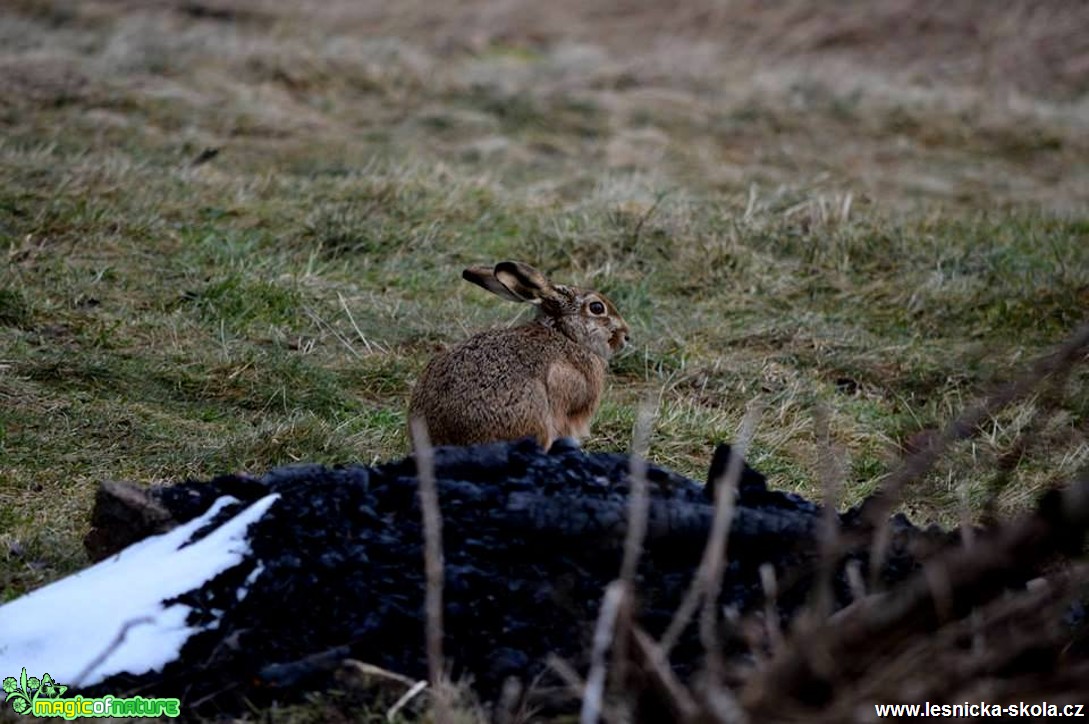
[[597, 308]]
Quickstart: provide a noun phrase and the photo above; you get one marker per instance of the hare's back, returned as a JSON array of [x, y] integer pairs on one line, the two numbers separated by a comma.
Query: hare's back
[[501, 359], [493, 386]]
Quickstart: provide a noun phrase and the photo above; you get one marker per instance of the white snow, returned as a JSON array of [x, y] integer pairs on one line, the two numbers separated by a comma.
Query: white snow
[[254, 575], [62, 628]]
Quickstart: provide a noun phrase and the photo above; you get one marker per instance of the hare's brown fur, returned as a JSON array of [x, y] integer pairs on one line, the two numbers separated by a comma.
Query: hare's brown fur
[[543, 379]]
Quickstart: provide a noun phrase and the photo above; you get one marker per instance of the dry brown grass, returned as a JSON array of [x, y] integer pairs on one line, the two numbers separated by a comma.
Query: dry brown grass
[[982, 102]]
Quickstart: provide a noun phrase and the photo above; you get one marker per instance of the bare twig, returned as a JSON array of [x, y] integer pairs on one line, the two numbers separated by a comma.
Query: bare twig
[[433, 566], [645, 216], [877, 508], [110, 649], [950, 586], [638, 512], [656, 668], [855, 582], [567, 673], [831, 475], [639, 500], [715, 554], [715, 551], [967, 531], [408, 696], [681, 617], [593, 697], [325, 325], [750, 206], [770, 584], [506, 708], [372, 347], [722, 707], [845, 207], [365, 669]]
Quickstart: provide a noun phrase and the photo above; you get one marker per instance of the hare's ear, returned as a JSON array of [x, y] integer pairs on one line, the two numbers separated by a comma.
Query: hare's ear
[[484, 277], [525, 282]]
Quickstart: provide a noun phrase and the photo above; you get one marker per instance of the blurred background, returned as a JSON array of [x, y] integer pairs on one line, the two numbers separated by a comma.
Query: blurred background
[[894, 100]]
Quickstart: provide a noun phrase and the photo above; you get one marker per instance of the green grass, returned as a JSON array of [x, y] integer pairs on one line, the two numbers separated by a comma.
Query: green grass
[[886, 249]]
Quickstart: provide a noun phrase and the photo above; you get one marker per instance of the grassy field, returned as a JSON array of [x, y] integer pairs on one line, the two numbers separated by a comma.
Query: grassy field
[[234, 230]]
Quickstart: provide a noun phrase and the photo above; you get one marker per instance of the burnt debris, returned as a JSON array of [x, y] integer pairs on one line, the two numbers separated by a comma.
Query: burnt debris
[[531, 538]]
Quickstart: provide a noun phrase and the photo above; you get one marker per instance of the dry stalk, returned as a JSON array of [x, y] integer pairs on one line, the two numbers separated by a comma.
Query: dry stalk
[[364, 669], [831, 476], [506, 707], [433, 567], [714, 553], [593, 696], [639, 500], [358, 332], [638, 511], [855, 582], [316, 318], [115, 644], [949, 587], [878, 507], [656, 668], [770, 585], [567, 674], [405, 698], [714, 561]]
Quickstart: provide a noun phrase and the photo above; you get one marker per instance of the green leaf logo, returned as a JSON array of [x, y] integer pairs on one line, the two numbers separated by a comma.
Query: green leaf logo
[[24, 691], [51, 689], [17, 693]]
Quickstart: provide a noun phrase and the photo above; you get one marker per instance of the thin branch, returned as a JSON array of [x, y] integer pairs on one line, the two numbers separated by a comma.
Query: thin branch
[[325, 325], [714, 561], [505, 710], [720, 528], [855, 582], [877, 508], [365, 669], [831, 475], [593, 695], [433, 566], [661, 676], [645, 216], [770, 585], [358, 331], [639, 500], [408, 696], [110, 649], [567, 674], [638, 512], [949, 586]]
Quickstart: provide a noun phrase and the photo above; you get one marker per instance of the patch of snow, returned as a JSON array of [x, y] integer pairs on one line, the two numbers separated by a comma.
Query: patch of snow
[[114, 609], [254, 574]]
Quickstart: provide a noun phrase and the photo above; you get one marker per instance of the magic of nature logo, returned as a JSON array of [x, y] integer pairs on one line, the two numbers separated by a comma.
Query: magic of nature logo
[[44, 697]]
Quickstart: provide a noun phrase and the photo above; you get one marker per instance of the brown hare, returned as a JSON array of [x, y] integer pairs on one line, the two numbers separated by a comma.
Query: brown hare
[[542, 379]]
